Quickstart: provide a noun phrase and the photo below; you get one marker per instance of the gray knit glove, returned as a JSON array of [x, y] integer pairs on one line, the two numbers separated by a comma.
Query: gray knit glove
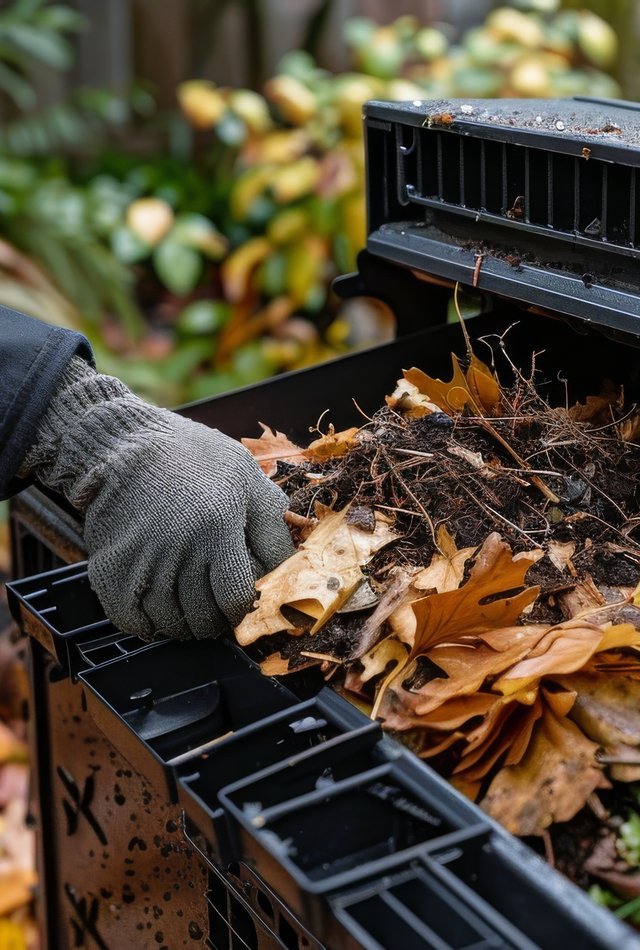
[[178, 517]]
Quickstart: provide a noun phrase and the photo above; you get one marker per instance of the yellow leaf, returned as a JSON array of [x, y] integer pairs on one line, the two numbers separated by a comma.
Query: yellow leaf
[[449, 397], [465, 667], [202, 104], [317, 580], [328, 446]]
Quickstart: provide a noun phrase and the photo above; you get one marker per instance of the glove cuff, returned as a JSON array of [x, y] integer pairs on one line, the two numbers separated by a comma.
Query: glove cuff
[[89, 419]]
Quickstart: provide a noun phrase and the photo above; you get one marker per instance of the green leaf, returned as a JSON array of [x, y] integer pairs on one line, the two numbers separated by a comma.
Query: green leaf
[[198, 232], [358, 31], [204, 317], [17, 88], [177, 266], [127, 246], [23, 9], [180, 366], [42, 45], [62, 19]]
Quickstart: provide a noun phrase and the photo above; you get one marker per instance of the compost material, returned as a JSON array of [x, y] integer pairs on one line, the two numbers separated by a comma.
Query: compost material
[[467, 571]]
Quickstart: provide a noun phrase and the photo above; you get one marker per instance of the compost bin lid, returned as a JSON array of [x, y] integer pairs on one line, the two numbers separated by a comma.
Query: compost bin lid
[[537, 200]]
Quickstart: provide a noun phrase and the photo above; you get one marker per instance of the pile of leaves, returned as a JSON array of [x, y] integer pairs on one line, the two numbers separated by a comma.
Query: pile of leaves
[[468, 572]]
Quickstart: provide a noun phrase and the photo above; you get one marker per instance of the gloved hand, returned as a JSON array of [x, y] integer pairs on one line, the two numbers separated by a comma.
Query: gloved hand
[[179, 518]]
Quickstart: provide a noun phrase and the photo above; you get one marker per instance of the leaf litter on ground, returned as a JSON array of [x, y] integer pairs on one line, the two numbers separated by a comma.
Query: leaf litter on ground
[[501, 635]]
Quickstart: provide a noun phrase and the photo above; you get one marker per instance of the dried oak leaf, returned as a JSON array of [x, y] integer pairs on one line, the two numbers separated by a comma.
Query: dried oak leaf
[[271, 447], [478, 387], [445, 572], [565, 648], [551, 782], [465, 666], [317, 580], [477, 607]]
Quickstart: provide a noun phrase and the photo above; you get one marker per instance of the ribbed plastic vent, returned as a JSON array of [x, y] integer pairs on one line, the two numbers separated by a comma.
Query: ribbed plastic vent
[[591, 201]]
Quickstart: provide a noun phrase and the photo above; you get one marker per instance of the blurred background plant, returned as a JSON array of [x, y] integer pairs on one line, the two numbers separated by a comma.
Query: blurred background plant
[[196, 245]]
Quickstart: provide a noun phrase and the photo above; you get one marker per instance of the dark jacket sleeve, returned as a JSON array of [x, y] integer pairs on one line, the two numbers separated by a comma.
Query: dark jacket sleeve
[[33, 357]]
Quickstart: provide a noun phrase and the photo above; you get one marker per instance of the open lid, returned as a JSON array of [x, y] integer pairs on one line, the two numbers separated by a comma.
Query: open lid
[[537, 200]]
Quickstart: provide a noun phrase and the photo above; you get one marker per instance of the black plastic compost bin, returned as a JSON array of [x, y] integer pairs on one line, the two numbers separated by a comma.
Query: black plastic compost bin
[[182, 799]]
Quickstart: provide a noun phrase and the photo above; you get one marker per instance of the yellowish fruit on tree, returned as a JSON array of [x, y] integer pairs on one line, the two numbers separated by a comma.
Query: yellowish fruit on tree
[[597, 39], [291, 182], [150, 219], [278, 147], [296, 102], [252, 108], [509, 24], [401, 90], [202, 104], [530, 78], [383, 55], [430, 43], [350, 95]]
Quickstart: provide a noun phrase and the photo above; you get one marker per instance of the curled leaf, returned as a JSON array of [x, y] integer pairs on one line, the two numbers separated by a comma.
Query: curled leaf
[[317, 580]]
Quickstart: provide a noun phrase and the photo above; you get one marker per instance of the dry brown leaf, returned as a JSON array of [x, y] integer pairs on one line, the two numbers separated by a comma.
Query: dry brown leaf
[[478, 388], [407, 399], [551, 782], [564, 649], [396, 592], [580, 598], [447, 567], [629, 428], [330, 445], [560, 554], [376, 662], [451, 714], [317, 580], [271, 447], [465, 611], [594, 407], [466, 666], [607, 709]]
